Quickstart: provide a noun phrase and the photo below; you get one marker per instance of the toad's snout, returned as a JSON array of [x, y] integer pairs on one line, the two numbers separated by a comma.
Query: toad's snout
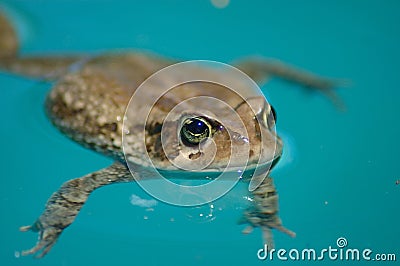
[[275, 161]]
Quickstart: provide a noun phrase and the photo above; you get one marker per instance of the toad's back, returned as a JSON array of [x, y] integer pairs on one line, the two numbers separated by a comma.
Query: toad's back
[[88, 104]]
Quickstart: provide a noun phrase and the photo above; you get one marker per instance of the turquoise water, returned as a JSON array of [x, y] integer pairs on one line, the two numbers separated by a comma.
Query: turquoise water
[[340, 177]]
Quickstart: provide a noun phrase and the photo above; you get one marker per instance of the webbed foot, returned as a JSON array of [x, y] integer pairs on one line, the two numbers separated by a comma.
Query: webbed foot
[[64, 205], [264, 213], [47, 238], [266, 222], [60, 211]]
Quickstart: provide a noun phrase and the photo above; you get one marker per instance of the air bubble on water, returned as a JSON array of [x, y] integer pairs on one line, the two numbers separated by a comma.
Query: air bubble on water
[[240, 172], [202, 214], [247, 198], [17, 254]]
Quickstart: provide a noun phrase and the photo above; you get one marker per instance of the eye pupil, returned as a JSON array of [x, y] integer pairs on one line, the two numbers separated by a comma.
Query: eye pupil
[[194, 130], [196, 127]]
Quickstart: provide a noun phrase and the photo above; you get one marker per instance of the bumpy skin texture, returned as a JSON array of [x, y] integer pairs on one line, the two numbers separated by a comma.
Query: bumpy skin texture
[[87, 103]]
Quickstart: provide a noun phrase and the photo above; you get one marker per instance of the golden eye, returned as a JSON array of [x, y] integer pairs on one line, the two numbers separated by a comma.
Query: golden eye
[[194, 130]]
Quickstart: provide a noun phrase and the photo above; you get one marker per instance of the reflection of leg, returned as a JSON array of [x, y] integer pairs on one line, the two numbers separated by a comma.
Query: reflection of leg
[[264, 212], [261, 69], [8, 39], [65, 204], [42, 67]]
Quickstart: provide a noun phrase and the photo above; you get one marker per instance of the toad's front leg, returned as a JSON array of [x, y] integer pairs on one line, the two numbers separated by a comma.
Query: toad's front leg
[[264, 212], [65, 204]]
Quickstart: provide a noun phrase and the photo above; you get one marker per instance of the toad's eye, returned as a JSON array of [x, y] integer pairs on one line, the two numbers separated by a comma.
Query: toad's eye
[[194, 130]]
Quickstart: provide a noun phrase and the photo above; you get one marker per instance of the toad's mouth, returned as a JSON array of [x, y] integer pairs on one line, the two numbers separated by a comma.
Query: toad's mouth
[[234, 172]]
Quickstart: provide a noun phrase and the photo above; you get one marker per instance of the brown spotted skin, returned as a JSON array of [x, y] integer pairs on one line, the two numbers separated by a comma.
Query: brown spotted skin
[[74, 107], [87, 103]]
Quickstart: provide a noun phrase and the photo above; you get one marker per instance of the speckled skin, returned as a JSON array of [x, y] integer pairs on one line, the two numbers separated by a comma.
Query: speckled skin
[[88, 101]]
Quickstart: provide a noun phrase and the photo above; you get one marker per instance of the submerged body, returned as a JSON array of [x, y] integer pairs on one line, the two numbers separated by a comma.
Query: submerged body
[[88, 103]]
